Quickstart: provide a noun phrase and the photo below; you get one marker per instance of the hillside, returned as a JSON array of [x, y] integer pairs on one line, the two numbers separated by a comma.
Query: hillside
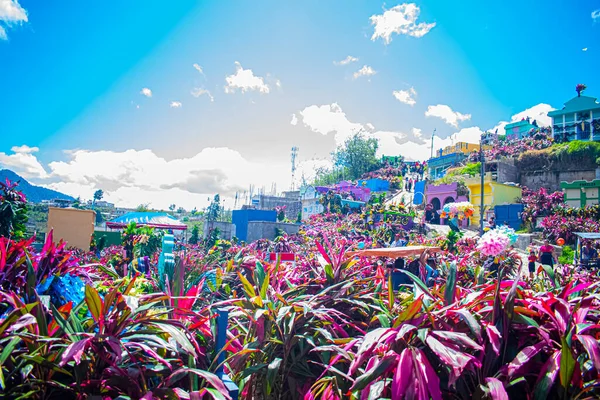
[[34, 194]]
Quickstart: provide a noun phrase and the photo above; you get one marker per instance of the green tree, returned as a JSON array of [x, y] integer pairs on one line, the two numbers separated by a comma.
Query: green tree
[[98, 195], [143, 208], [195, 233], [213, 212], [358, 155], [172, 207], [13, 211]]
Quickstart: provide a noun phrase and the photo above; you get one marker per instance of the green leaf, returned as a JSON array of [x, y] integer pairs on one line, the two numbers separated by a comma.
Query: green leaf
[[418, 282], [371, 375], [94, 302], [248, 288], [177, 335], [567, 364], [450, 290], [272, 373]]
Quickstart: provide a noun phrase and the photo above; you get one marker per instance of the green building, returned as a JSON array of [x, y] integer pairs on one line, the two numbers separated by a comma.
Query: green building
[[579, 194], [579, 119]]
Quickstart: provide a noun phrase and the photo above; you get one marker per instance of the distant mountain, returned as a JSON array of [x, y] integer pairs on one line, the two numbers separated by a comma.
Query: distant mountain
[[34, 194]]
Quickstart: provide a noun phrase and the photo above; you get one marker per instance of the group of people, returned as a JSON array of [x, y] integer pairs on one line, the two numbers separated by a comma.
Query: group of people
[[426, 263], [409, 184]]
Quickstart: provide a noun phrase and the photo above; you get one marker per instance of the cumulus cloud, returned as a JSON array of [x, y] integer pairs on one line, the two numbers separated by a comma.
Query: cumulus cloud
[[11, 13], [245, 80], [23, 162], [175, 104], [329, 118], [402, 20], [346, 61], [197, 92], [406, 96], [146, 92], [364, 71], [294, 120], [417, 133], [447, 114], [538, 112]]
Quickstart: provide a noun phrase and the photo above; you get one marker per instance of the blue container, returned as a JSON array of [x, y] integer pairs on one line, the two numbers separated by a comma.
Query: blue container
[[419, 191], [510, 213], [240, 219]]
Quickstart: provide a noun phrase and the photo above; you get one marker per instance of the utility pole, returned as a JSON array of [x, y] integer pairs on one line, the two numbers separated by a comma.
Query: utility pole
[[482, 160], [432, 135], [293, 159]]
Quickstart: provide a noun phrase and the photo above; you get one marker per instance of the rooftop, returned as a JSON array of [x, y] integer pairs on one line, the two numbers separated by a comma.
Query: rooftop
[[577, 104]]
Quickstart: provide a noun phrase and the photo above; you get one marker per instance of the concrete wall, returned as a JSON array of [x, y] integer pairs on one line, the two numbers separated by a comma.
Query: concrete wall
[[266, 230], [551, 179], [74, 226], [506, 172], [227, 229], [293, 205]]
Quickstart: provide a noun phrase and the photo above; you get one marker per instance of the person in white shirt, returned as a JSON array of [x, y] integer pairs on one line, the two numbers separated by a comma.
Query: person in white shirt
[[399, 240]]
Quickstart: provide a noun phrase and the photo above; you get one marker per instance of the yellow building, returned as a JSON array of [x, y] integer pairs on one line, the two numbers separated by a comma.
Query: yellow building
[[494, 194], [462, 147], [74, 226]]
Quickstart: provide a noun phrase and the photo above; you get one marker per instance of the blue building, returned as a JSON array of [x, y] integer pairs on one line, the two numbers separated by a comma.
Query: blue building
[[439, 165]]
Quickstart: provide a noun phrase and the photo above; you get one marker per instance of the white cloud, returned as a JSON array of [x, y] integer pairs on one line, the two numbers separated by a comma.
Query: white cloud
[[23, 162], [364, 71], [329, 118], [346, 61], [538, 112], [447, 114], [417, 133], [406, 96], [278, 83], [197, 92], [245, 80], [402, 20], [294, 120], [198, 68], [584, 49], [146, 92], [11, 13], [595, 14], [176, 104]]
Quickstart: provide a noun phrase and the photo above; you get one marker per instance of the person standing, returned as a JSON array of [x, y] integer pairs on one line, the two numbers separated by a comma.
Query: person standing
[[546, 254], [532, 260]]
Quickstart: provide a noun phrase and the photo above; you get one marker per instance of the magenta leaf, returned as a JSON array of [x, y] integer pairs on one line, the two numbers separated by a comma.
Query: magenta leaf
[[496, 388], [75, 351], [429, 377], [494, 336], [523, 358], [591, 346], [403, 374], [456, 360]]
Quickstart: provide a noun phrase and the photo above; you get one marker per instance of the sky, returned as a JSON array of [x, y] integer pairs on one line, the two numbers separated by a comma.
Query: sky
[[171, 102]]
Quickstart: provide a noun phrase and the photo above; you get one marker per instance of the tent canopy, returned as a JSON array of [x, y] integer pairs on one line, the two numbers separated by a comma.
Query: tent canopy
[[160, 220], [587, 235], [393, 252]]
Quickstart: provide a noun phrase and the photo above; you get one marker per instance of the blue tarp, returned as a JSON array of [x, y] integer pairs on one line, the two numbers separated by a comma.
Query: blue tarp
[[419, 191], [154, 219], [375, 185]]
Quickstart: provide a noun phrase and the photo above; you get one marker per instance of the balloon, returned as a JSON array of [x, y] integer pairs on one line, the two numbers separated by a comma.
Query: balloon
[[560, 242]]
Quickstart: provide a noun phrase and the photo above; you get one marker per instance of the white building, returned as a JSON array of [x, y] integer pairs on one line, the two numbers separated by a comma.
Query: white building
[[310, 202]]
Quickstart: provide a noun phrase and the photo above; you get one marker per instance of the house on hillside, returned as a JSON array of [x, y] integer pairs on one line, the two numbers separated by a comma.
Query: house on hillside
[[450, 156], [494, 194], [580, 194], [579, 119], [520, 129]]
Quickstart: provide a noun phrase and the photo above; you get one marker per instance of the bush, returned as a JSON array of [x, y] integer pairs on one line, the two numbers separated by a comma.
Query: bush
[[575, 155], [567, 255]]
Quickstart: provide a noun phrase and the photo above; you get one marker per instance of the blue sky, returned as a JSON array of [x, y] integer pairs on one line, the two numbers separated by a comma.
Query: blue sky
[[72, 73]]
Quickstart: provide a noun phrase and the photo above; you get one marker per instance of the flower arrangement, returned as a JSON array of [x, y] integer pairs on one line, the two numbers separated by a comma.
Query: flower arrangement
[[493, 242], [462, 209]]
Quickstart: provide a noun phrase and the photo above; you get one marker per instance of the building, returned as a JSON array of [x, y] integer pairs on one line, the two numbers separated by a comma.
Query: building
[[582, 193], [494, 194], [72, 225], [439, 165], [520, 129], [440, 195], [448, 157], [311, 204], [293, 205], [579, 119]]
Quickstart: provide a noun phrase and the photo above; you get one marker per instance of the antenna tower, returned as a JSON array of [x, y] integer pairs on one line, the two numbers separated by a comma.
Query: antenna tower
[[293, 158]]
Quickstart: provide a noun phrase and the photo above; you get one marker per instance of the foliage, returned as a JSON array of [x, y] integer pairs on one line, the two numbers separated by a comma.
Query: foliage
[[195, 235], [567, 256], [358, 154], [471, 169], [13, 211], [141, 241], [98, 195], [580, 88], [214, 210], [538, 204], [143, 207], [556, 226], [574, 155]]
